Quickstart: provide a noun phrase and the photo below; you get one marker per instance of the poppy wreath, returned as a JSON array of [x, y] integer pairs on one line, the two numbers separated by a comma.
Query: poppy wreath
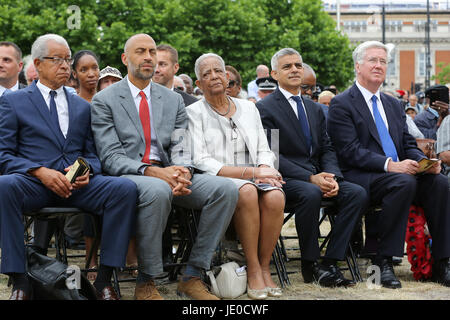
[[418, 246]]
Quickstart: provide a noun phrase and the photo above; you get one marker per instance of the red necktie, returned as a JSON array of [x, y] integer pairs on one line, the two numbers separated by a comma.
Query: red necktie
[[144, 114]]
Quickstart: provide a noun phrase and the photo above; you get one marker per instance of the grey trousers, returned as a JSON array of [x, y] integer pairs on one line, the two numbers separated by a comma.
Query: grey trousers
[[216, 197]]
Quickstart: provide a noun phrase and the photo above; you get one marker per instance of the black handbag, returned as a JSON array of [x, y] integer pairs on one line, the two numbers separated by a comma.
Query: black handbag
[[48, 279]]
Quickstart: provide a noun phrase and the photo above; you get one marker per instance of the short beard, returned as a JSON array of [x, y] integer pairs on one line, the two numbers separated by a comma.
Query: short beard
[[137, 74]]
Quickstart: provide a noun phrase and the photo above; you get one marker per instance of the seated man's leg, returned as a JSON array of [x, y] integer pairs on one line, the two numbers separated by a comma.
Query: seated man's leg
[[395, 192], [115, 199], [351, 202], [154, 205], [18, 193], [305, 198], [216, 197]]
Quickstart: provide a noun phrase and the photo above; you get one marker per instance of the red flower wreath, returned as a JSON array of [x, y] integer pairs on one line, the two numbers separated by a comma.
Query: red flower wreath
[[418, 244]]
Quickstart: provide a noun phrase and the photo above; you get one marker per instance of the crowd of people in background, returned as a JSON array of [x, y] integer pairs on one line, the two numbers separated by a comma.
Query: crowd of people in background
[[357, 147]]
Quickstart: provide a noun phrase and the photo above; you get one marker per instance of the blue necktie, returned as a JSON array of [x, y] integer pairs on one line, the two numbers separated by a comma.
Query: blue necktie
[[303, 121], [386, 140], [54, 112]]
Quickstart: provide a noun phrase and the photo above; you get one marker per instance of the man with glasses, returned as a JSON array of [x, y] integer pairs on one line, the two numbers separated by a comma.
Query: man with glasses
[[308, 86], [369, 131], [44, 130], [167, 68]]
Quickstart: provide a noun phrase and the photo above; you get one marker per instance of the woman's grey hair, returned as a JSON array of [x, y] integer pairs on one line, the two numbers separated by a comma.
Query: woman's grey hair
[[206, 56], [39, 49], [281, 53], [360, 51]]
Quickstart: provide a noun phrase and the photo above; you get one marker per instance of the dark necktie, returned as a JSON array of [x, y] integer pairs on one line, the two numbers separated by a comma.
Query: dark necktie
[[144, 114], [386, 140], [54, 112], [303, 121]]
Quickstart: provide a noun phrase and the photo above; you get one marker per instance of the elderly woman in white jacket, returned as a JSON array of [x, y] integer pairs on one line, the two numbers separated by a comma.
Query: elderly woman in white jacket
[[228, 140]]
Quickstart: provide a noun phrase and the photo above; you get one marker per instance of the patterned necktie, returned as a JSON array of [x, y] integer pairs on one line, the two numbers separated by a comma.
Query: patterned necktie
[[303, 121], [386, 140], [144, 114], [54, 112]]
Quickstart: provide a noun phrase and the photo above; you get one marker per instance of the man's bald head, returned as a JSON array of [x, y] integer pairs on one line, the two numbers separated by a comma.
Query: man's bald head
[[309, 80], [262, 71], [136, 37]]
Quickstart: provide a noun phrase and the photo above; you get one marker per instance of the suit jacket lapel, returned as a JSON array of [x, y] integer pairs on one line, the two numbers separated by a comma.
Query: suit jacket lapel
[[127, 102], [361, 106], [38, 101], [289, 115], [157, 108]]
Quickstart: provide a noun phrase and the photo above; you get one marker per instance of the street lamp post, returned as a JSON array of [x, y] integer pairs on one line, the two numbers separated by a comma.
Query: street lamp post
[[427, 48]]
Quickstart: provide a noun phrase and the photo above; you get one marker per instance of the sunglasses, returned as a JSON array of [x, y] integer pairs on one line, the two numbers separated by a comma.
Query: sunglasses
[[232, 83]]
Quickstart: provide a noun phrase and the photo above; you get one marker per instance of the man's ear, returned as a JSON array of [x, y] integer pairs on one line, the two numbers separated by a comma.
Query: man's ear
[[124, 59], [273, 73], [176, 67]]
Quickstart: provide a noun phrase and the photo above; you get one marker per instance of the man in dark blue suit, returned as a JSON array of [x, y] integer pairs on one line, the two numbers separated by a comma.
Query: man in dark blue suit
[[375, 150], [309, 166], [43, 130]]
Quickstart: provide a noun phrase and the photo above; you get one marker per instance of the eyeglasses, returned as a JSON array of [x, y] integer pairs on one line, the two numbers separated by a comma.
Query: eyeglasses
[[307, 87], [232, 83], [234, 133], [383, 62], [180, 88], [58, 61]]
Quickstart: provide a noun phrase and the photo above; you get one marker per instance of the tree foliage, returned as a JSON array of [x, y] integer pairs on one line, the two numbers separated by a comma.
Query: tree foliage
[[444, 75], [244, 32]]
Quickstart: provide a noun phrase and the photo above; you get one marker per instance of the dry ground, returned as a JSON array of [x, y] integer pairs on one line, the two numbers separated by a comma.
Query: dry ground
[[411, 290]]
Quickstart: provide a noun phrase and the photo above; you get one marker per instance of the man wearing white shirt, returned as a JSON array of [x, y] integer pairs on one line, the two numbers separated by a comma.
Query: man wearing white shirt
[[10, 66], [369, 132], [167, 68], [44, 130], [262, 71], [309, 166]]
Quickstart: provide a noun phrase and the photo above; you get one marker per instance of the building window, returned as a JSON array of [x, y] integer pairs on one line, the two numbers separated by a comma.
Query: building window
[[355, 26], [422, 64], [391, 67], [419, 25], [394, 25]]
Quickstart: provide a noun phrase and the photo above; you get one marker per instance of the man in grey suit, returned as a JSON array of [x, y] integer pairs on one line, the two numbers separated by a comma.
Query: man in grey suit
[[138, 127]]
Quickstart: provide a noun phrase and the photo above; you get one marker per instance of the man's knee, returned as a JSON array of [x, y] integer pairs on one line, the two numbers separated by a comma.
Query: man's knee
[[224, 188]]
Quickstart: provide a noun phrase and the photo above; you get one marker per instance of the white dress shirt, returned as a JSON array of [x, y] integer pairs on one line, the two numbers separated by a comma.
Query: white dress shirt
[[13, 88], [368, 98], [293, 103], [62, 106], [154, 152]]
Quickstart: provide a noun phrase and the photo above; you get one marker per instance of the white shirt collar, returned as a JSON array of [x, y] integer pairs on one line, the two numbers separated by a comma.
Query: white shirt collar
[[135, 90], [287, 94], [13, 88], [46, 90], [367, 94]]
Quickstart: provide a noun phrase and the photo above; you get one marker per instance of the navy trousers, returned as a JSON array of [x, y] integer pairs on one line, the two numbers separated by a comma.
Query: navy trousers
[[305, 198], [112, 197]]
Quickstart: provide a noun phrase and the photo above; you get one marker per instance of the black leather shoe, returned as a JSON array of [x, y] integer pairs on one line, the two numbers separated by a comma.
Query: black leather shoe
[[325, 276], [396, 261], [388, 278], [441, 272]]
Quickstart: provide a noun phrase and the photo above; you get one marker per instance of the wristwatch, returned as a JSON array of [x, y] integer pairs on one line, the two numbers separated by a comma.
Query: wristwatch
[[191, 170]]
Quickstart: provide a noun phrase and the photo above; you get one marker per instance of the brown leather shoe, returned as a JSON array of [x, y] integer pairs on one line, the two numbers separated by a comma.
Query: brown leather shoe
[[147, 291], [195, 289], [108, 293], [19, 294]]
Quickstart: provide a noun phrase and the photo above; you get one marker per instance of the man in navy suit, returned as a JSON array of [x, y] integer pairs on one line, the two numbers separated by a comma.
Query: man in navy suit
[[375, 150], [43, 130], [309, 166]]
